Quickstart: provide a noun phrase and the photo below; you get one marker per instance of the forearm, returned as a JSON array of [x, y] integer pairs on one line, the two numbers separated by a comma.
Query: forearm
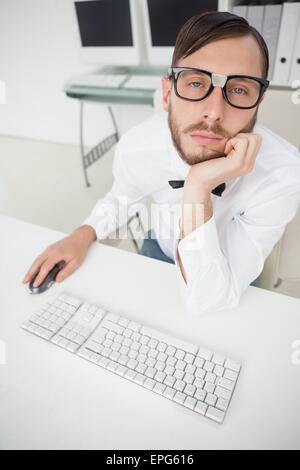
[[196, 211]]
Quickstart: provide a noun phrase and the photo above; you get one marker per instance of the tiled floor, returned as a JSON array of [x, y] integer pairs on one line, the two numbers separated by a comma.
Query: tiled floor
[[43, 183]]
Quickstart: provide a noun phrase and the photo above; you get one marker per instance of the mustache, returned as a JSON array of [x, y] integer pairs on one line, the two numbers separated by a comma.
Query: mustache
[[200, 127]]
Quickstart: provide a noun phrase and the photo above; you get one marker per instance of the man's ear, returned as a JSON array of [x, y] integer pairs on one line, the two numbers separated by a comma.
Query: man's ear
[[262, 98], [166, 89]]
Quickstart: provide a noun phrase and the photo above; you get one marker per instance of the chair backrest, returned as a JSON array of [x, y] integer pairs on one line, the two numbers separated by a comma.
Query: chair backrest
[[288, 256]]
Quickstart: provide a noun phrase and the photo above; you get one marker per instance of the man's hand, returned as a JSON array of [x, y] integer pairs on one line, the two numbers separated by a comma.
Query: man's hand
[[241, 152], [71, 249]]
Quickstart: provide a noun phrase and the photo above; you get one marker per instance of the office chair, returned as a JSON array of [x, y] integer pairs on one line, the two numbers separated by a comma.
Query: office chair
[[287, 262]]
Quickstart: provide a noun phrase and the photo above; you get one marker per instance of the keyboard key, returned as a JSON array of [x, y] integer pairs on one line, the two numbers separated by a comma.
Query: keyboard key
[[112, 317], [169, 370], [222, 393], [178, 374], [189, 358], [179, 397], [169, 380], [169, 392], [215, 414], [199, 362], [210, 377], [222, 404], [149, 383], [190, 389], [199, 382], [209, 366], [170, 351], [180, 365], [188, 378], [139, 379], [179, 385], [210, 399], [201, 407], [218, 359], [231, 375], [180, 354], [123, 322], [219, 371], [160, 376], [190, 402], [190, 369], [150, 372], [152, 344], [112, 366], [161, 347], [225, 383], [130, 374], [159, 388], [200, 394], [209, 387], [233, 365]]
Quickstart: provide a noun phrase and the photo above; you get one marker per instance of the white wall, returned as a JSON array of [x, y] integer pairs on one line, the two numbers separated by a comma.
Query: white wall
[[39, 51]]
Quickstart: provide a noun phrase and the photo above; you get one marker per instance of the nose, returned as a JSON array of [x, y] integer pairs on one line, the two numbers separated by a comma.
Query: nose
[[213, 107]]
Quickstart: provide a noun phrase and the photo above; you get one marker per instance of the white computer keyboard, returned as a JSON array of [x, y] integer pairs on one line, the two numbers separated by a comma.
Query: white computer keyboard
[[143, 82], [192, 376], [97, 80]]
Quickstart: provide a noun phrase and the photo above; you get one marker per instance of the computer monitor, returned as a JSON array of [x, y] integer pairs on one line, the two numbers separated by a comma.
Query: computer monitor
[[163, 20], [108, 32]]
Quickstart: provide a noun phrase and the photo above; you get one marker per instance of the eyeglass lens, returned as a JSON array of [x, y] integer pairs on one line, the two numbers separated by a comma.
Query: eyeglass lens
[[194, 85]]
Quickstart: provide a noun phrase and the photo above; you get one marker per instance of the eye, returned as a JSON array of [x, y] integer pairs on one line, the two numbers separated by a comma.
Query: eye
[[195, 84], [241, 91]]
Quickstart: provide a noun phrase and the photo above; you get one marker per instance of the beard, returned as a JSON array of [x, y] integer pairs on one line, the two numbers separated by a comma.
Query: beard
[[204, 153]]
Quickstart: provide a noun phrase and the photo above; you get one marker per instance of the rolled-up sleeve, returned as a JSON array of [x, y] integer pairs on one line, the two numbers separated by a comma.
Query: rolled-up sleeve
[[218, 270]]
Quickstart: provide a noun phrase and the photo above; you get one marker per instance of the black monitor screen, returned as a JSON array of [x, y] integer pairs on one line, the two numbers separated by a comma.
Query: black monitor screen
[[104, 23], [168, 16]]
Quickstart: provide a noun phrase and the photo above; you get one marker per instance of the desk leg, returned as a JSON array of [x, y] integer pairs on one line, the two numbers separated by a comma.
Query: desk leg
[[99, 150]]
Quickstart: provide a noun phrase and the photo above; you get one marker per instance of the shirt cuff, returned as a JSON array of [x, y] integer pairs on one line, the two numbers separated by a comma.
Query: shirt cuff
[[198, 249], [103, 226]]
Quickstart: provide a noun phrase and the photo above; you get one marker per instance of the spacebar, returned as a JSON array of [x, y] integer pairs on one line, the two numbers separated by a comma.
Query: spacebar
[[179, 344]]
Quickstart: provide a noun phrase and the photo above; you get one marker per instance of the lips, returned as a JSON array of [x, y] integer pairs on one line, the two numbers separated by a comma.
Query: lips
[[206, 139], [206, 135]]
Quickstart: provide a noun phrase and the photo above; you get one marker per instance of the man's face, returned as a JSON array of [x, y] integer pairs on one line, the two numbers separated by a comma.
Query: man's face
[[239, 56]]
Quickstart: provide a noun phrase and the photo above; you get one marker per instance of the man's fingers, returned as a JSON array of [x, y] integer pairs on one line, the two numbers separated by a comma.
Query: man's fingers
[[65, 272], [44, 270], [33, 269]]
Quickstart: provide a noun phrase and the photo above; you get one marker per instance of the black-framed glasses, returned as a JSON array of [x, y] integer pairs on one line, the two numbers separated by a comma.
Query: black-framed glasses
[[240, 91]]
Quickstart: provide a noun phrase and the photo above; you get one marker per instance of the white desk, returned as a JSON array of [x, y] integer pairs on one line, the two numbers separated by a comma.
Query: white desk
[[50, 398]]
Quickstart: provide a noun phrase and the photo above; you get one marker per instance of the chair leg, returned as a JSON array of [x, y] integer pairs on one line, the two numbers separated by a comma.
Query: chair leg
[[277, 282], [133, 239]]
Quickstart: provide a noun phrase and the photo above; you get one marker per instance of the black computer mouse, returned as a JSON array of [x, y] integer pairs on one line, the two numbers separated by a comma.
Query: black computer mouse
[[48, 281]]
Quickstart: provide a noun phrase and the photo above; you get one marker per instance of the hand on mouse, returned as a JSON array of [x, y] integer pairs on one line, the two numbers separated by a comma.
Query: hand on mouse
[[71, 249]]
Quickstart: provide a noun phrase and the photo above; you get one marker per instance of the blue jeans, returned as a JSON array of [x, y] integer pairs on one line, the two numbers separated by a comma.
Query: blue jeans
[[152, 249]]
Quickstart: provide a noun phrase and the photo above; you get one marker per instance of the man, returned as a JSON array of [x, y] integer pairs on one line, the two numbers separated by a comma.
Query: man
[[207, 136]]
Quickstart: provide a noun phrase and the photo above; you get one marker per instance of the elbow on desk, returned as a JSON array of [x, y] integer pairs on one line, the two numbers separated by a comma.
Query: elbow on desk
[[200, 301]]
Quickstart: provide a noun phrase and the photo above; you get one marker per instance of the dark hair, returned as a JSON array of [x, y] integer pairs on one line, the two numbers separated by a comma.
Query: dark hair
[[214, 25]]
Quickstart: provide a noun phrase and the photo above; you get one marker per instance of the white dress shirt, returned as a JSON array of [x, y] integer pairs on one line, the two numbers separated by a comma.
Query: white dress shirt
[[224, 255]]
